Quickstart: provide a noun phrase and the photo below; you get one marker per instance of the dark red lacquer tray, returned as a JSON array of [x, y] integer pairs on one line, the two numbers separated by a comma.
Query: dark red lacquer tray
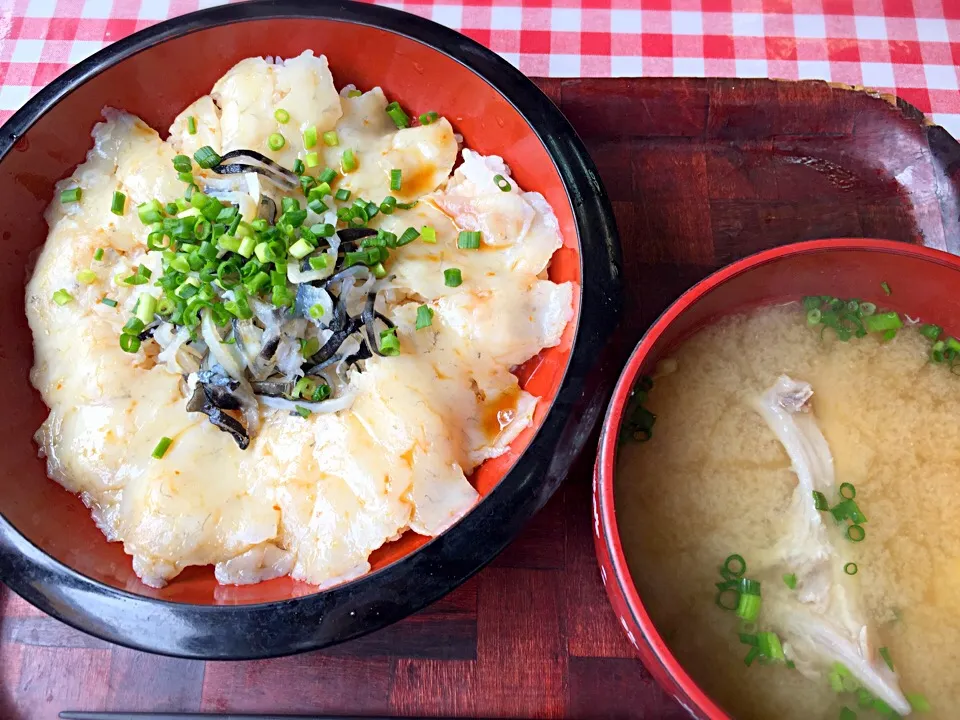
[[701, 172]]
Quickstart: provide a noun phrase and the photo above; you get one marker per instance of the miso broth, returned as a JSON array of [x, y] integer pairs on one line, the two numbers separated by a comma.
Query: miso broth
[[714, 480]]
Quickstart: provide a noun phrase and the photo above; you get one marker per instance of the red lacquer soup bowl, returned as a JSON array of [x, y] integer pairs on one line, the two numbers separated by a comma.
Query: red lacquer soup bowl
[[924, 284], [50, 550]]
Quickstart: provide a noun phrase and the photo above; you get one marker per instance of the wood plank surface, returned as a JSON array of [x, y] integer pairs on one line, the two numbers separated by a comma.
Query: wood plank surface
[[700, 172]]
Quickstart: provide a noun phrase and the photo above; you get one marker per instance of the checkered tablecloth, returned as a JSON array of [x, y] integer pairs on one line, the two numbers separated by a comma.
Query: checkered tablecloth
[[908, 47]]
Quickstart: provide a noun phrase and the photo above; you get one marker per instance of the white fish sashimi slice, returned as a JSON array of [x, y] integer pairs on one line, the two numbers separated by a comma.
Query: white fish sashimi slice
[[253, 89], [424, 154], [823, 622], [206, 119], [520, 224], [261, 562]]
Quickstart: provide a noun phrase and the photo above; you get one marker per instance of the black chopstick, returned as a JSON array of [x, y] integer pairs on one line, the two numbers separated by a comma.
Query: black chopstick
[[84, 715]]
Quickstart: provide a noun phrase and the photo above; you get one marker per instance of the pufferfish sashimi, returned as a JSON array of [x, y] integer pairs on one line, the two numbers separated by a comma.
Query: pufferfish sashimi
[[311, 497]]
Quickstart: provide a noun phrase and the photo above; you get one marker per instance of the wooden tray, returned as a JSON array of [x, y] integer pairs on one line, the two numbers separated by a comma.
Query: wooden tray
[[700, 172]]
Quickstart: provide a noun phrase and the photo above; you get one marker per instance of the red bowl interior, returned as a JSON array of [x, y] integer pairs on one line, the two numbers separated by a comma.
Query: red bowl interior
[[156, 84], [921, 280]]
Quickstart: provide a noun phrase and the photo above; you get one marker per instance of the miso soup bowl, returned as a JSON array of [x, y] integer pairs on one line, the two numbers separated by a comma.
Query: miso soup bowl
[[924, 283], [51, 552]]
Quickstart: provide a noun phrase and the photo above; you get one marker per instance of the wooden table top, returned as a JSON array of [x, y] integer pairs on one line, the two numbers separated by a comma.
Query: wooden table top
[[700, 172]]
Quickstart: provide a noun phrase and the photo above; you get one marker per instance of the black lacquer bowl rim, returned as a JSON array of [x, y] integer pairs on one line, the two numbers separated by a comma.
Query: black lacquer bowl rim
[[222, 632]]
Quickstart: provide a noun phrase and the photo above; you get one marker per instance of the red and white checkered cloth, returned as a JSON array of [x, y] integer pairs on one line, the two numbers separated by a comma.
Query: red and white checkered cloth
[[908, 47]]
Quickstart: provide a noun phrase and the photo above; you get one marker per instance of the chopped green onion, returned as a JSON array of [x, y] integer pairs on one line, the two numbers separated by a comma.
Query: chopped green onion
[[302, 411], [407, 205], [311, 160], [936, 351], [150, 212], [424, 317], [848, 509], [856, 533], [885, 654], [931, 332], [319, 192], [399, 117], [428, 234], [305, 386], [918, 702], [469, 240], [160, 450], [734, 567], [206, 157], [748, 607], [276, 141], [191, 125], [790, 580], [298, 166], [812, 302], [306, 183], [108, 302], [864, 698], [396, 179], [850, 568], [502, 183], [883, 322], [749, 587], [748, 638], [348, 161], [71, 196], [327, 176], [886, 288], [388, 205], [770, 646], [867, 308], [331, 139], [429, 118], [452, 277], [848, 491], [62, 297], [847, 714], [319, 262], [814, 317], [342, 195], [727, 599], [140, 276], [119, 203], [310, 137], [316, 311], [98, 254], [820, 501], [281, 116], [389, 343], [129, 343], [86, 277], [409, 235], [752, 655], [300, 249], [182, 164]]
